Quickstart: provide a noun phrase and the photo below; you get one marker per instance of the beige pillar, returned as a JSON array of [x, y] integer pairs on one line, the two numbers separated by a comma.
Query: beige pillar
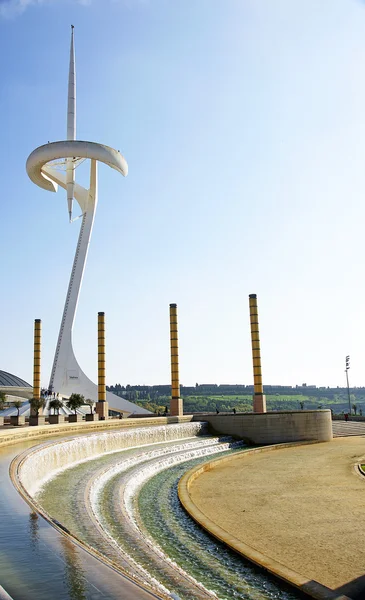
[[37, 362], [259, 399], [102, 407], [176, 404]]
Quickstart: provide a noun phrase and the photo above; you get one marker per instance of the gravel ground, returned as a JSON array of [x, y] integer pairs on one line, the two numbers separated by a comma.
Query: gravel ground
[[302, 506]]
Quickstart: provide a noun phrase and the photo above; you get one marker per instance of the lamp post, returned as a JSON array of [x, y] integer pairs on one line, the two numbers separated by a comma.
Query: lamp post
[[347, 379]]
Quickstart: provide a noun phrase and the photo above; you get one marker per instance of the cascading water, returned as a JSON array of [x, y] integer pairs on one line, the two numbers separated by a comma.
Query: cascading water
[[224, 572], [133, 477], [100, 481], [97, 474], [47, 461]]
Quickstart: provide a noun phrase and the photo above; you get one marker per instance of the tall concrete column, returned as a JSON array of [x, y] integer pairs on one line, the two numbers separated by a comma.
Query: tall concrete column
[[259, 400], [176, 404], [37, 361], [102, 407]]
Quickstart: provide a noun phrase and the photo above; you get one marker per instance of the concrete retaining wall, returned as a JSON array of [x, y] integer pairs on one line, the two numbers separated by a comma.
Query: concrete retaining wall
[[273, 427], [267, 428]]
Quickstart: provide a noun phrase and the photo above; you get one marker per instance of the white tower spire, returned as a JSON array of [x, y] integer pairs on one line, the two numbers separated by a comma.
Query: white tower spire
[[67, 376], [71, 124]]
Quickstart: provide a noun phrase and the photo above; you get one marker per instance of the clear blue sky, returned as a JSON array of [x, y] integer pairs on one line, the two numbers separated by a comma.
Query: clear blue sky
[[243, 124]]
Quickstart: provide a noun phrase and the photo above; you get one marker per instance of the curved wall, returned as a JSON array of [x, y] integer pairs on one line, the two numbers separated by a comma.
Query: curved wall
[[274, 427]]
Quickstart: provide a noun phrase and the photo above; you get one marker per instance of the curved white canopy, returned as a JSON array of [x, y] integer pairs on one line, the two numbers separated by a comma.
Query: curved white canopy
[[71, 149]]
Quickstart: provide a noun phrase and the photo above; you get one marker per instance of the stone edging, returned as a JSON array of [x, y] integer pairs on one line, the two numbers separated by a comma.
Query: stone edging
[[300, 582], [4, 594]]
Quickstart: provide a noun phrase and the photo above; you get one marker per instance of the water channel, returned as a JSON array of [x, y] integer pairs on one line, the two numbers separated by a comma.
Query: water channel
[[124, 504]]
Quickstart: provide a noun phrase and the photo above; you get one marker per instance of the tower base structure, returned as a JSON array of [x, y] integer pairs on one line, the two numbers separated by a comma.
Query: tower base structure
[[176, 407], [102, 409], [259, 403], [73, 380]]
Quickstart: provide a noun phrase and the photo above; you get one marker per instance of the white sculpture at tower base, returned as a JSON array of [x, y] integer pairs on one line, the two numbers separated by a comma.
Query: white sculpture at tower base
[[43, 167]]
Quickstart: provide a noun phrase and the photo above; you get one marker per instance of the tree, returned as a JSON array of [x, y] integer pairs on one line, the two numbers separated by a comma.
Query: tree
[[91, 404], [301, 405], [56, 405], [18, 404], [354, 407], [75, 401], [36, 404], [2, 400]]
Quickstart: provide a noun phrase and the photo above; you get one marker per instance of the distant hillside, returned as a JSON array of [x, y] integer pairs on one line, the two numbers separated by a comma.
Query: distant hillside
[[210, 397]]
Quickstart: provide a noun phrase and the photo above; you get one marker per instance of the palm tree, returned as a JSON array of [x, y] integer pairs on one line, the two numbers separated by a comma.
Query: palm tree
[[2, 400], [18, 404], [36, 404], [56, 405], [91, 404], [75, 401]]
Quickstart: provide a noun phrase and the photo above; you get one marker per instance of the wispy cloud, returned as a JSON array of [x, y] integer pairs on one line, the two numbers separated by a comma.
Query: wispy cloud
[[13, 8]]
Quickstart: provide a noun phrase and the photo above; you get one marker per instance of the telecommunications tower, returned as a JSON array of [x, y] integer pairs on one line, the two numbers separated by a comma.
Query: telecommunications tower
[[53, 165]]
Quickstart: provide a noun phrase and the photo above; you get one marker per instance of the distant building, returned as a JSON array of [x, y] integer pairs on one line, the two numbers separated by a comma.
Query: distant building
[[12, 385]]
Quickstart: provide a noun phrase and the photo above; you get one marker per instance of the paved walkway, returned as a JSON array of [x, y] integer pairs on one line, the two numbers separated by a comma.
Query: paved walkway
[[302, 506], [341, 428]]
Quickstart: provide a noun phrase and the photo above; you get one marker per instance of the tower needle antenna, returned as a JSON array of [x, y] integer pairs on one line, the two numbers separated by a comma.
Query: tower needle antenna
[[71, 124]]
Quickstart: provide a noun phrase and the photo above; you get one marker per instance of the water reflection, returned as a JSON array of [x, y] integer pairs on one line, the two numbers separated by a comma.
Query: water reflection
[[34, 563], [33, 531], [74, 574]]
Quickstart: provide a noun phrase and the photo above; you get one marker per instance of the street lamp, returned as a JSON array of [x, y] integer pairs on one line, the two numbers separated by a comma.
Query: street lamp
[[347, 378]]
